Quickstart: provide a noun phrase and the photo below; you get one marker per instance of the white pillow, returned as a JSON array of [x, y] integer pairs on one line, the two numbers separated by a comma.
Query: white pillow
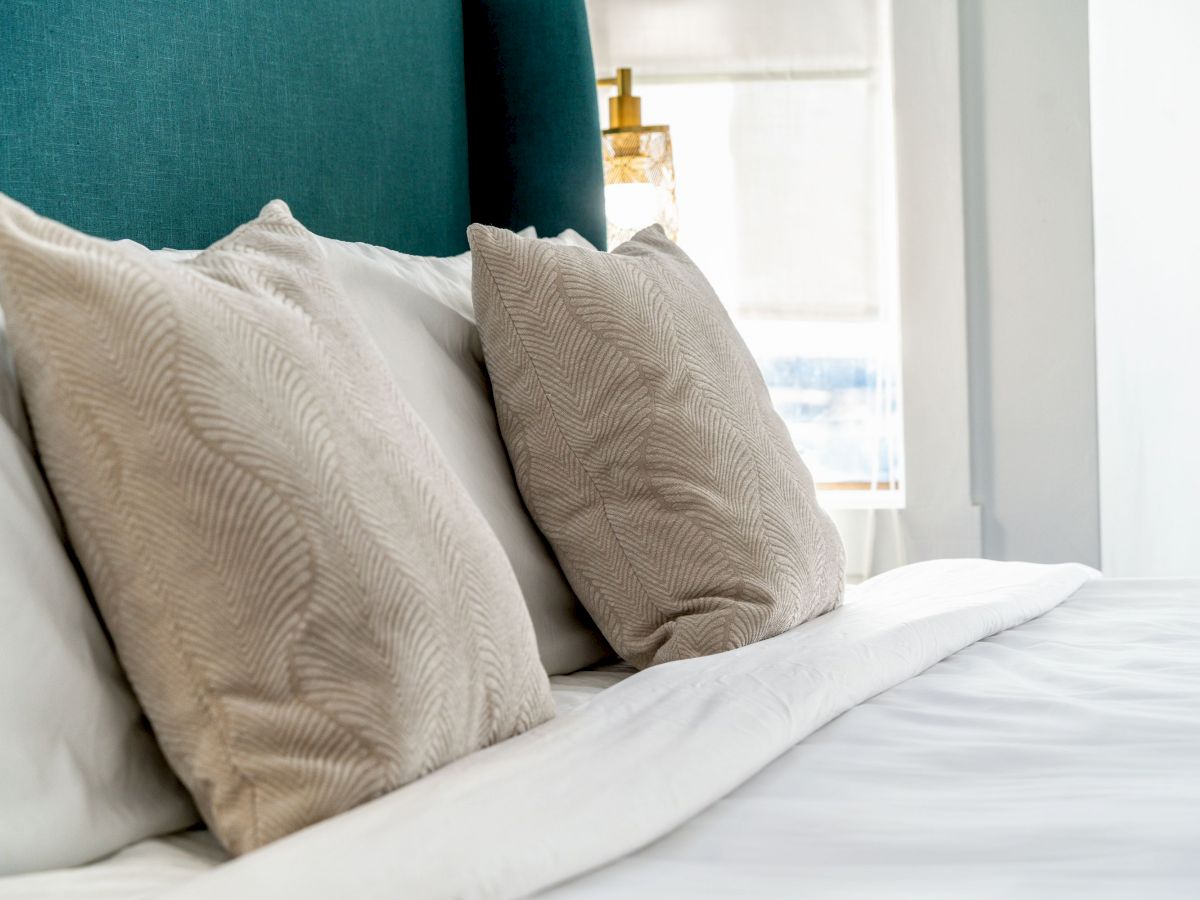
[[418, 309], [80, 773], [12, 411]]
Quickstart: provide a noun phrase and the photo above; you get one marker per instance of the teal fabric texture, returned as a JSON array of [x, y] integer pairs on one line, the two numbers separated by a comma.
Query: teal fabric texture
[[171, 123], [534, 122]]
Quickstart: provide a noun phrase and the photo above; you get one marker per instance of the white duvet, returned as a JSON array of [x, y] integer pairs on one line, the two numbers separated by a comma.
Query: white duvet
[[622, 766], [1058, 759]]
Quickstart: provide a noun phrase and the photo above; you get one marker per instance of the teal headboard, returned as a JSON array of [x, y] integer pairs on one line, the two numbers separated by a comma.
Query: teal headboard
[[377, 120]]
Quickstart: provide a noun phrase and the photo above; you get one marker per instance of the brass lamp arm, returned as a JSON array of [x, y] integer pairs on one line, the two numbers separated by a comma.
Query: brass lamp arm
[[624, 109]]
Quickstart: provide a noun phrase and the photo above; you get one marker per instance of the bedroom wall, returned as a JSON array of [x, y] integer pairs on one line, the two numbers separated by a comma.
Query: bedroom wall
[[1146, 139], [1030, 292]]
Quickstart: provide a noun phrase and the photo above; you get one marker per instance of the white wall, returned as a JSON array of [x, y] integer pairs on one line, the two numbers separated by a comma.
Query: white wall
[[1146, 146], [997, 287], [1030, 293]]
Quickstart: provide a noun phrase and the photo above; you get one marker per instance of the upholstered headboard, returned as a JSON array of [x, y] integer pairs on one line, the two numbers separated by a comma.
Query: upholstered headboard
[[396, 122]]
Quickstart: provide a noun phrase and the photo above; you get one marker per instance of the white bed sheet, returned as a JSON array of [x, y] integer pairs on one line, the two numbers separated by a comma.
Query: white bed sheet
[[1059, 757]]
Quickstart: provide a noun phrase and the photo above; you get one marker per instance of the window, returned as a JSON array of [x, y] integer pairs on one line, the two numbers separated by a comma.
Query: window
[[781, 120]]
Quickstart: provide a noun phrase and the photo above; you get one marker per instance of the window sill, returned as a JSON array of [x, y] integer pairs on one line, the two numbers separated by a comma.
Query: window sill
[[859, 495]]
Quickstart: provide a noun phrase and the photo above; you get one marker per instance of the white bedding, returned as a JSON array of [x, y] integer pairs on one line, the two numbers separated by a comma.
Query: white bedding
[[1057, 757]]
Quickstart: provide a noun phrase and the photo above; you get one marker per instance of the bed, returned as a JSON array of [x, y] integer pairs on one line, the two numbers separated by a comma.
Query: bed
[[956, 728], [1052, 758]]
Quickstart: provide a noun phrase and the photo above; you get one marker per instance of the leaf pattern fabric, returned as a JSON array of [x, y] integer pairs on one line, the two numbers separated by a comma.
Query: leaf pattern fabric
[[309, 607], [646, 447]]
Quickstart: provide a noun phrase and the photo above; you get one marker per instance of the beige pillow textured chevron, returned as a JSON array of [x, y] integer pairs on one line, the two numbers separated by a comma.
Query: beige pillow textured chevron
[[309, 607], [646, 447]]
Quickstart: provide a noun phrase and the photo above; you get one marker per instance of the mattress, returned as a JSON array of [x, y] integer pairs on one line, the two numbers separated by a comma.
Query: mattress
[[1053, 758]]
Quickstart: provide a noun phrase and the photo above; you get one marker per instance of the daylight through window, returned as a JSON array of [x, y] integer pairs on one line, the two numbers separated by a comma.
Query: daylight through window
[[781, 119]]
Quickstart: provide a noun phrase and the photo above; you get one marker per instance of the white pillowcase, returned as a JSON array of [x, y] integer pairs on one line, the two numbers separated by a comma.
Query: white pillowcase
[[12, 411], [418, 309], [80, 773]]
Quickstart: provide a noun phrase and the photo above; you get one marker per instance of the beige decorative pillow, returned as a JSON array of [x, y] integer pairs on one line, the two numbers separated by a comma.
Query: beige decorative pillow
[[646, 447], [308, 606]]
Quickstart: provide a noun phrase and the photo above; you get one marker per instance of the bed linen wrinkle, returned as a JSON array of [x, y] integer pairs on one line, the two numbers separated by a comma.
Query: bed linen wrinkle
[[937, 787], [517, 818], [1057, 759]]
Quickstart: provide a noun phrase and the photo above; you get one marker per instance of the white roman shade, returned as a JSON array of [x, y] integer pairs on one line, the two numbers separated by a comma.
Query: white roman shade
[[734, 37], [781, 119]]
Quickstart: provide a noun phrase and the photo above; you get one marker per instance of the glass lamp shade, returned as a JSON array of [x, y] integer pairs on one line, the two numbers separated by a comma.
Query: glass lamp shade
[[639, 182]]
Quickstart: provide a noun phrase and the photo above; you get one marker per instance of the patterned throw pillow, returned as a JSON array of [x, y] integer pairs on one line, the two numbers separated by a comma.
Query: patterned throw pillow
[[309, 607], [647, 449]]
